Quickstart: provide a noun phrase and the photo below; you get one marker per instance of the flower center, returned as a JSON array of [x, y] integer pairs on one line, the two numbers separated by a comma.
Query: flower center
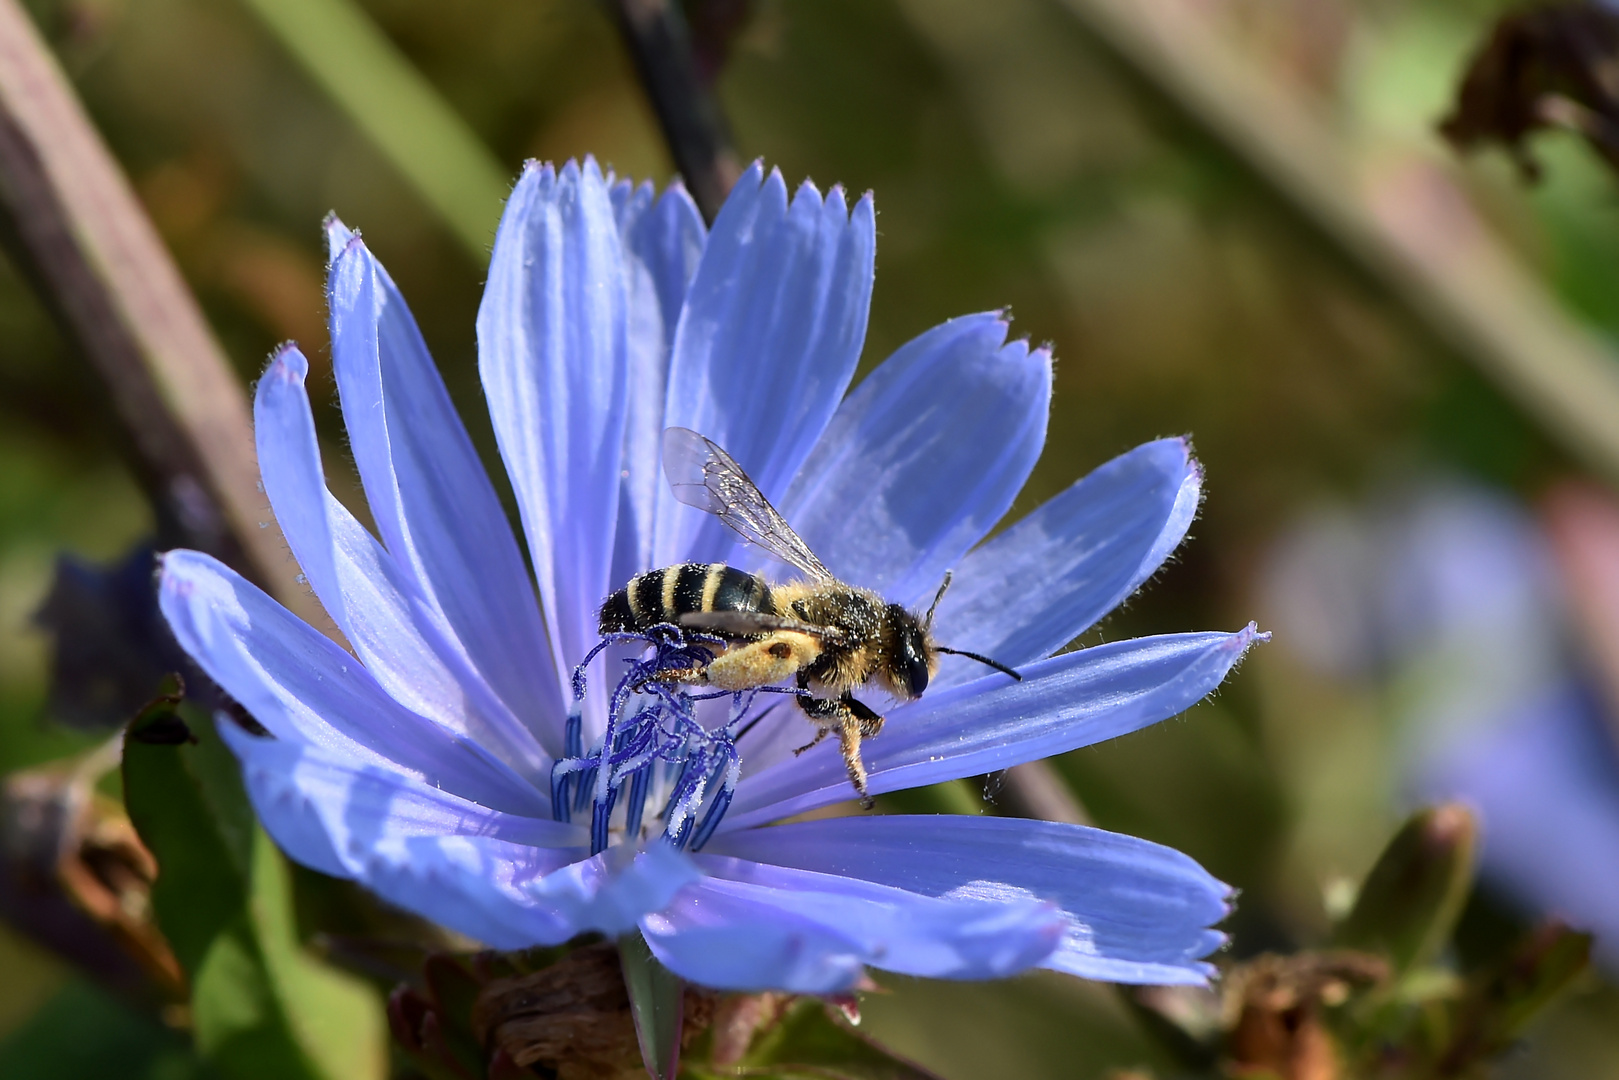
[[653, 744]]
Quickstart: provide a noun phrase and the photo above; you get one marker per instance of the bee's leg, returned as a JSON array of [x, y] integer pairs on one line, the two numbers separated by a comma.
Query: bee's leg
[[760, 663], [851, 720], [849, 743], [866, 724], [826, 715], [813, 743], [697, 675], [870, 723]]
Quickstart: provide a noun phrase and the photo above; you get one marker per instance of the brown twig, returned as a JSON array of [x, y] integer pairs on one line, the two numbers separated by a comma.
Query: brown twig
[[77, 230], [659, 42], [1404, 223], [1036, 789]]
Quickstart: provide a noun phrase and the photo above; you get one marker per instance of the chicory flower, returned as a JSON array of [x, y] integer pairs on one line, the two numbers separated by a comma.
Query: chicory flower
[[1459, 596], [429, 762]]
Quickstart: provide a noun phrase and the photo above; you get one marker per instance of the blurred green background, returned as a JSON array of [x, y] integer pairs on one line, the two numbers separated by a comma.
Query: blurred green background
[[1015, 162]]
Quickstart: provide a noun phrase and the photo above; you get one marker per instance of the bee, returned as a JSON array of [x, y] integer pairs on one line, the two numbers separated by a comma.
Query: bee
[[832, 637]]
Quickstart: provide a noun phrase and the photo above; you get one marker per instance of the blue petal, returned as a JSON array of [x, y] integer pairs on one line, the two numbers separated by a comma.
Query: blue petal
[[551, 350], [506, 880], [955, 937], [434, 506], [473, 885], [924, 457], [663, 239], [1133, 911], [714, 938], [769, 339], [757, 927], [359, 804], [666, 236], [512, 897], [994, 723], [1071, 561], [338, 236], [302, 687], [363, 588]]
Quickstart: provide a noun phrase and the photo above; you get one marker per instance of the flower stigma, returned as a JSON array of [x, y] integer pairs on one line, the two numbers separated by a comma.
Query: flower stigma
[[654, 747]]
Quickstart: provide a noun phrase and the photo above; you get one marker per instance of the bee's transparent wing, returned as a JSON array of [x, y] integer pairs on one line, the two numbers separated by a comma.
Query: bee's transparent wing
[[747, 623], [702, 475]]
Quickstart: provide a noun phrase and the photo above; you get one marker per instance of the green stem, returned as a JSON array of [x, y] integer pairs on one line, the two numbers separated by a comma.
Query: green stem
[[398, 110]]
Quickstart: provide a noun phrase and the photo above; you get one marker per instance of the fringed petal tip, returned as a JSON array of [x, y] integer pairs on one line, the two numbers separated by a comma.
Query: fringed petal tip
[[569, 171], [338, 235], [342, 253], [287, 363]]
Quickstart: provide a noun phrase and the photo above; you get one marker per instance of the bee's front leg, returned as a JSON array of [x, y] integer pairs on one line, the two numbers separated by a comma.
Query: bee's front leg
[[849, 743], [820, 734], [870, 723]]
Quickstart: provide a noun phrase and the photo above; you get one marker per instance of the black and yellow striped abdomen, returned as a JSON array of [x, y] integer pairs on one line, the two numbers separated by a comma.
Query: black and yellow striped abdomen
[[662, 596]]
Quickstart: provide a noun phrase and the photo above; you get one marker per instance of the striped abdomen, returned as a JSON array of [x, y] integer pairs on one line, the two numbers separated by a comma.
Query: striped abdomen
[[662, 596]]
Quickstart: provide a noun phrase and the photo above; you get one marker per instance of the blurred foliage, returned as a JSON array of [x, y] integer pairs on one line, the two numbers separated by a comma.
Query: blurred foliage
[[259, 1008], [1380, 1002], [1014, 164]]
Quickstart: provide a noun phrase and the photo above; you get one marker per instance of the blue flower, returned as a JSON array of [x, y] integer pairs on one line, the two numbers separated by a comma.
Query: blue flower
[[1477, 619], [423, 762]]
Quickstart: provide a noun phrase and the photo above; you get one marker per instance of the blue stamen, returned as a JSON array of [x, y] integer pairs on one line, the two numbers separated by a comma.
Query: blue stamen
[[674, 791], [559, 795], [600, 815], [573, 737], [640, 780], [661, 734], [711, 820], [585, 789]]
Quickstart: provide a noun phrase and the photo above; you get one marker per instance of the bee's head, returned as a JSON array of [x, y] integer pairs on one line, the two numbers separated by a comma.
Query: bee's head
[[910, 653]]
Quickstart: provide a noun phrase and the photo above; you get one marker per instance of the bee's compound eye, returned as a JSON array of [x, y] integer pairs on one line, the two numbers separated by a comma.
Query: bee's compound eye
[[909, 644], [916, 673]]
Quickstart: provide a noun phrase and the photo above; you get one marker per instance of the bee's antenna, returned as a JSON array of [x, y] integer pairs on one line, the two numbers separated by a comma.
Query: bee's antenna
[[927, 620], [996, 664]]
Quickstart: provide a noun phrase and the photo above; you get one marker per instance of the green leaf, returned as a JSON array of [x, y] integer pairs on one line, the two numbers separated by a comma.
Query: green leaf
[[262, 1007], [1411, 899], [187, 803], [335, 1017], [810, 1041], [658, 1004]]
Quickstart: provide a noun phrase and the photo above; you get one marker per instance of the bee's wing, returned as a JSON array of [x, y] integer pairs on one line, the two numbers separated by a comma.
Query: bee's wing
[[746, 623], [702, 475]]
